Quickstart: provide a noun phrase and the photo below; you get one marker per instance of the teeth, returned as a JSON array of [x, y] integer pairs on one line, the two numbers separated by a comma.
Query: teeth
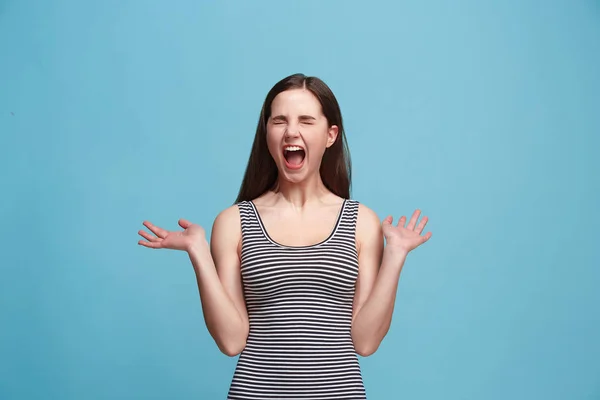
[[293, 148]]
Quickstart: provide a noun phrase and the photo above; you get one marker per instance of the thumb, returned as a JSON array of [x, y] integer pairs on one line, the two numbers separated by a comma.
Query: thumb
[[388, 220], [184, 223]]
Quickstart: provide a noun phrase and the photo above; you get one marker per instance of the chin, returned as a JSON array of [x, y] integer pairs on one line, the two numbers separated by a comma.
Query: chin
[[294, 175]]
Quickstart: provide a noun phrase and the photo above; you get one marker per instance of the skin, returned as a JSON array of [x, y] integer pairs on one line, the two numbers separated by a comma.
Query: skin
[[306, 205]]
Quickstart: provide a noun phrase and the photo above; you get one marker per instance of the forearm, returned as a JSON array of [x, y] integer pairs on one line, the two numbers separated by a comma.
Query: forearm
[[223, 320], [373, 320]]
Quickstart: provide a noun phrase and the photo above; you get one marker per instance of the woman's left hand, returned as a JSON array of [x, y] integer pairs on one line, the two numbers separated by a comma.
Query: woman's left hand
[[406, 238]]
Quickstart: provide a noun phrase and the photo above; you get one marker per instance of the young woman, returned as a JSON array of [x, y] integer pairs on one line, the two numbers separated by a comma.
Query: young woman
[[296, 278]]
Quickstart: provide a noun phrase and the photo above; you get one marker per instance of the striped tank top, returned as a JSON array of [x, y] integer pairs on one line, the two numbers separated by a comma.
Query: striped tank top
[[299, 302]]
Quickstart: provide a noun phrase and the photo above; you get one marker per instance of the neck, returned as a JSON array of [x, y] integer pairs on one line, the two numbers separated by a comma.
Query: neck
[[301, 193]]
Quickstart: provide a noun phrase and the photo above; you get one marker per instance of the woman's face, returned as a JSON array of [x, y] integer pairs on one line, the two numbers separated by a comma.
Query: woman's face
[[298, 134]]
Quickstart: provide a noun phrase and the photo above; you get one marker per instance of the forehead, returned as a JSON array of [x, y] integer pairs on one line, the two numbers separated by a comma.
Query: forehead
[[295, 102]]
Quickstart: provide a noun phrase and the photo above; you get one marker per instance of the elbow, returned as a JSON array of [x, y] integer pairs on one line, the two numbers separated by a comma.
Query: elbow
[[366, 350], [232, 341], [232, 349], [366, 343], [232, 346]]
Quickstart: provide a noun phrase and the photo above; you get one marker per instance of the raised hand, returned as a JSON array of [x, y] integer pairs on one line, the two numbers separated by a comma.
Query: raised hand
[[175, 240], [407, 238]]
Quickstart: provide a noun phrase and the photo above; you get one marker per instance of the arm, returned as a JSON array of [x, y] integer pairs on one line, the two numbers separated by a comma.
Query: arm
[[217, 268], [379, 272]]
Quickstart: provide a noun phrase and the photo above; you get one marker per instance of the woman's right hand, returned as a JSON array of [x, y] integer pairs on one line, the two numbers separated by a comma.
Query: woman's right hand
[[192, 234]]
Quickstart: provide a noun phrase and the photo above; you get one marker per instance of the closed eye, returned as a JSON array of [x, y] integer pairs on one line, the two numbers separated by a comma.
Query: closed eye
[[307, 119], [278, 120]]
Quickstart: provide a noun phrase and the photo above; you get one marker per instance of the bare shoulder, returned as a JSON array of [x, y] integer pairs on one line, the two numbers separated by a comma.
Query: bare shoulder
[[367, 222], [226, 230], [229, 217], [368, 227]]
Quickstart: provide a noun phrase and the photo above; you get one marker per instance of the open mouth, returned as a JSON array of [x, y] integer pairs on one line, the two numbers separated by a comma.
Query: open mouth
[[294, 156]]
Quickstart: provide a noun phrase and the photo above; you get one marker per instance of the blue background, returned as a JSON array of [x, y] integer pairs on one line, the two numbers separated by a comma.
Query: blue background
[[486, 115]]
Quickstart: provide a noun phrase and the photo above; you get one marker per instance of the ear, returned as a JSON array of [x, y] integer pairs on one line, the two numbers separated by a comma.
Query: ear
[[332, 134]]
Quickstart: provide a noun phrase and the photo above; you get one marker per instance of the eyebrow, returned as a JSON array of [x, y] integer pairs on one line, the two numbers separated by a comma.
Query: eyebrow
[[284, 118]]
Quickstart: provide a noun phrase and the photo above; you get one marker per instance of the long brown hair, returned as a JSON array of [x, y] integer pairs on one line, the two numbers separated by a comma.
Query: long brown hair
[[261, 171]]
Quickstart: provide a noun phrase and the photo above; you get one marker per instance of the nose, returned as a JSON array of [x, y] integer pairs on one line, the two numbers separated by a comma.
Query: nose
[[292, 130]]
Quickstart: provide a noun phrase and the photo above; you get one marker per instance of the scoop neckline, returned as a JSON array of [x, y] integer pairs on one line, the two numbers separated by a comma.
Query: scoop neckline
[[270, 239]]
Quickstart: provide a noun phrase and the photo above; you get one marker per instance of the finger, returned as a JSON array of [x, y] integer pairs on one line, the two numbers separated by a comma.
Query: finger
[[402, 221], [413, 219], [152, 245], [184, 223], [421, 225], [149, 237], [161, 233], [426, 237], [388, 220]]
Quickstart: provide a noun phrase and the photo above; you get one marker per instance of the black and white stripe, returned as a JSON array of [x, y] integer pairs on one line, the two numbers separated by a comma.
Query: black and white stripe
[[299, 302]]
